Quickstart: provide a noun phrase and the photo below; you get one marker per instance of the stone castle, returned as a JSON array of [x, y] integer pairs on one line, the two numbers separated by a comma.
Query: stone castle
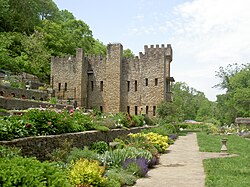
[[112, 83]]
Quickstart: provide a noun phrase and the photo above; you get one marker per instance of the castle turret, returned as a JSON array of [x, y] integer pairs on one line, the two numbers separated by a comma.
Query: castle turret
[[112, 84]]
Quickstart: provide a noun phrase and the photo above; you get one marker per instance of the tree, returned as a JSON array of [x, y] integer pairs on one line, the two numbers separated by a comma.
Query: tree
[[67, 34], [23, 16], [127, 53], [236, 101]]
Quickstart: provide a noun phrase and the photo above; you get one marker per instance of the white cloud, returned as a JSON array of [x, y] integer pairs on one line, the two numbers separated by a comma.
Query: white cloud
[[208, 34]]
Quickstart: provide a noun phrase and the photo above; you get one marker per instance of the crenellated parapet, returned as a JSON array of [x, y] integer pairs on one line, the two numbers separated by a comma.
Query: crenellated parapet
[[156, 51]]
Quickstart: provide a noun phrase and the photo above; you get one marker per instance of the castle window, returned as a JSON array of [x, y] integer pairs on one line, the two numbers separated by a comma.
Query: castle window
[[128, 109], [135, 86], [146, 109], [65, 86], [92, 86], [59, 87], [156, 81], [154, 110], [136, 110], [128, 85], [101, 109], [101, 86], [146, 81]]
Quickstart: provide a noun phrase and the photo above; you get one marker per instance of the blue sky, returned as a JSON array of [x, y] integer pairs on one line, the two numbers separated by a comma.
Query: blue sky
[[204, 34]]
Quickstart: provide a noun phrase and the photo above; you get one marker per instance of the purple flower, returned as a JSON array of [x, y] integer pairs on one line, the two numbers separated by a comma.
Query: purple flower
[[141, 163], [152, 162]]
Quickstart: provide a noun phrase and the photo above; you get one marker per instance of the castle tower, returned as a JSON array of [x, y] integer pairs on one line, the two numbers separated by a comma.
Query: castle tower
[[112, 84], [68, 78]]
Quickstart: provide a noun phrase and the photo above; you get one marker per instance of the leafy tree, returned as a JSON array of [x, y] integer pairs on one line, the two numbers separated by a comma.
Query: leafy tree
[[23, 16], [67, 34], [236, 101], [127, 53]]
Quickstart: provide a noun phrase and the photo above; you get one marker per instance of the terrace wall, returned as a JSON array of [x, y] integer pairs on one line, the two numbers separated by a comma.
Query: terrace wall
[[41, 146]]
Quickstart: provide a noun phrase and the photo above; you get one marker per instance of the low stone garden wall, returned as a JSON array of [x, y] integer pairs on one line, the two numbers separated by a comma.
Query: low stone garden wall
[[21, 104], [6, 91], [40, 146]]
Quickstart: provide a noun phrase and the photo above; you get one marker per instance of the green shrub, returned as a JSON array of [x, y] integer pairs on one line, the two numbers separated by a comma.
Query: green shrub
[[61, 154], [87, 173], [100, 147], [122, 176], [9, 152], [115, 158], [76, 154], [20, 172]]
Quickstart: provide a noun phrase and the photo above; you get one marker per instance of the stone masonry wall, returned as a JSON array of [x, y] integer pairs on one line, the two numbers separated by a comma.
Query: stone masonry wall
[[67, 73], [40, 146], [96, 75], [21, 104], [19, 93]]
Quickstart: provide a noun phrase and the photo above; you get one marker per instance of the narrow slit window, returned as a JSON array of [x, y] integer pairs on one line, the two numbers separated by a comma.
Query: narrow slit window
[[128, 109], [101, 109], [136, 110], [154, 110], [59, 87], [92, 86], [146, 109], [128, 85], [146, 81], [135, 86], [101, 86], [65, 86], [156, 81]]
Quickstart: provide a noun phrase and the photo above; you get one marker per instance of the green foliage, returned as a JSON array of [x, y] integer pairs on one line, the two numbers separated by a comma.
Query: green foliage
[[75, 154], [115, 158], [235, 102], [100, 147], [61, 154], [87, 173], [9, 152], [122, 176], [160, 142], [127, 53], [20, 171]]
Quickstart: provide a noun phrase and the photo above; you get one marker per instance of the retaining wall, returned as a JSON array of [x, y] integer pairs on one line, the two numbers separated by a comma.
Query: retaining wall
[[40, 146]]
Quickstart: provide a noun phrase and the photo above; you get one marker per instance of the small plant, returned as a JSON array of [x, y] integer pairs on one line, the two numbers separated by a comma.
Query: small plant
[[138, 166], [77, 154], [24, 172], [122, 176], [61, 154], [100, 147], [87, 173], [9, 152]]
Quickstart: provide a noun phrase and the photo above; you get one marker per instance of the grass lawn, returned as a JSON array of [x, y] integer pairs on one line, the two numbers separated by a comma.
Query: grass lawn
[[226, 172]]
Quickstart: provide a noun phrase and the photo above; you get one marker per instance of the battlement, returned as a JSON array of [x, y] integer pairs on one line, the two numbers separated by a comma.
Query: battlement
[[156, 50]]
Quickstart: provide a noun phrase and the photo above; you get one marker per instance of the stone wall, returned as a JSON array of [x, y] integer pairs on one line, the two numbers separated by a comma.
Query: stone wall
[[21, 104], [40, 146], [21, 93]]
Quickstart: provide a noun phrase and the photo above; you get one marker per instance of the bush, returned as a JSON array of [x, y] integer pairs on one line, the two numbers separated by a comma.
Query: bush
[[138, 166], [9, 152], [160, 142], [115, 158], [100, 147], [87, 173], [121, 176], [77, 154], [20, 172]]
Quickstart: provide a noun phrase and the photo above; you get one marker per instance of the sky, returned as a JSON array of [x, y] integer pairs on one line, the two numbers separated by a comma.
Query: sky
[[204, 34]]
